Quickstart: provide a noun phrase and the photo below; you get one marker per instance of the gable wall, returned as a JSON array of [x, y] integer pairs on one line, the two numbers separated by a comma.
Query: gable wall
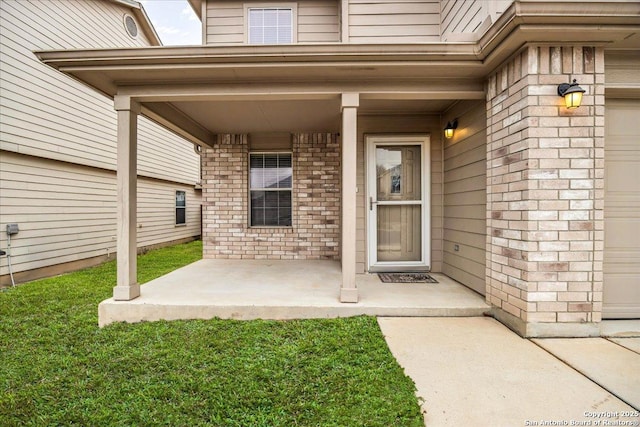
[[58, 142], [467, 16]]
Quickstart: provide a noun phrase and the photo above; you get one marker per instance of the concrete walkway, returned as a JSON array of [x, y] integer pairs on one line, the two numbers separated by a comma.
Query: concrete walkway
[[476, 372]]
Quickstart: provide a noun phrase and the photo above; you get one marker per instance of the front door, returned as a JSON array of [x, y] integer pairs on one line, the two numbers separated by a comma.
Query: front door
[[398, 203]]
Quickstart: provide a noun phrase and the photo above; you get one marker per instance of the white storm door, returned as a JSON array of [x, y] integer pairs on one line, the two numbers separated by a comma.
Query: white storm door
[[398, 203]]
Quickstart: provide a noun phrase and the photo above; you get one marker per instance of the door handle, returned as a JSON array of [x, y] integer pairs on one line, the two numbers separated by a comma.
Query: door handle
[[371, 203]]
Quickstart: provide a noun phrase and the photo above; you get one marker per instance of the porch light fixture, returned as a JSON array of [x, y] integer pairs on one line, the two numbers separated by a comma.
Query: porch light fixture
[[572, 94], [448, 129]]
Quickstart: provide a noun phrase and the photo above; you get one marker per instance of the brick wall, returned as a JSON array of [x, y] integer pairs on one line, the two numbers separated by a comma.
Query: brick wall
[[315, 231], [545, 169]]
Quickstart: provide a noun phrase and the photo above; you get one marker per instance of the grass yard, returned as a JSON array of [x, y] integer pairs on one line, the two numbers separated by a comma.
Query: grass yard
[[58, 368]]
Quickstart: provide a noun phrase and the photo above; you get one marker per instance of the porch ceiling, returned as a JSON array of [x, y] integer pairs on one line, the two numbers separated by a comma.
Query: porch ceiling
[[310, 115], [198, 91]]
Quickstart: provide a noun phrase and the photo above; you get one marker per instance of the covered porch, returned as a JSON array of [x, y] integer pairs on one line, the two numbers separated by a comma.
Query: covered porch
[[279, 289]]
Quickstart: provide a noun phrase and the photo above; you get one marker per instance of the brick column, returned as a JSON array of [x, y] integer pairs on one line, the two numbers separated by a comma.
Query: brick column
[[545, 196]]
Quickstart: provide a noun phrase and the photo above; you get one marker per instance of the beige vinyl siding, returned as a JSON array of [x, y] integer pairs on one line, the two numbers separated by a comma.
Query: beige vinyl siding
[[465, 196], [67, 212], [47, 114], [63, 24], [459, 17], [318, 21], [462, 16], [58, 142], [405, 21], [225, 22], [156, 212], [164, 155], [400, 125]]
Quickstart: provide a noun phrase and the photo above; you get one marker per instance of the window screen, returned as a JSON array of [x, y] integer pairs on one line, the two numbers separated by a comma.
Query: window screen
[[181, 208], [270, 26], [270, 180]]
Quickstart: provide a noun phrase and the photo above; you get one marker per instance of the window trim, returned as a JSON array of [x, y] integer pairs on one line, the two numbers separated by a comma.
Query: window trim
[[249, 188], [126, 28], [284, 5], [176, 223]]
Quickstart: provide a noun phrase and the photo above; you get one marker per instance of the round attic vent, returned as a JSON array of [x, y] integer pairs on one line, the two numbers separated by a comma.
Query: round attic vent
[[130, 25]]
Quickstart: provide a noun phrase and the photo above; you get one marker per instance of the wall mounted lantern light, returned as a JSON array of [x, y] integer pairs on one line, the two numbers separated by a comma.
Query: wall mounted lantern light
[[449, 128], [572, 94]]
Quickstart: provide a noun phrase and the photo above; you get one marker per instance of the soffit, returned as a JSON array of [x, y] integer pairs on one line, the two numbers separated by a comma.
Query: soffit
[[218, 89], [318, 115]]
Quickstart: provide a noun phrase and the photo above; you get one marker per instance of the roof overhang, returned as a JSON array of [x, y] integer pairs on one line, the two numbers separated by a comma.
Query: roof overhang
[[172, 83], [196, 5]]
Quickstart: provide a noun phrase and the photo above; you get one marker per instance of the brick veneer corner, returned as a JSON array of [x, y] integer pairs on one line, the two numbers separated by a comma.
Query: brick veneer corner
[[545, 192]]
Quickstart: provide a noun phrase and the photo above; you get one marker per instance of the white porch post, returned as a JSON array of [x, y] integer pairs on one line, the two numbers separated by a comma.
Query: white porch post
[[350, 103], [127, 287]]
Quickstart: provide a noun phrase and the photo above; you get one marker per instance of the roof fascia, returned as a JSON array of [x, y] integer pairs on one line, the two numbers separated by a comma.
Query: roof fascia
[[560, 13], [325, 53], [196, 5], [523, 21]]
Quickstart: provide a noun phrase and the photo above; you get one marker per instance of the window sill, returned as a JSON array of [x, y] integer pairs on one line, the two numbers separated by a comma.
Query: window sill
[[180, 225], [270, 229]]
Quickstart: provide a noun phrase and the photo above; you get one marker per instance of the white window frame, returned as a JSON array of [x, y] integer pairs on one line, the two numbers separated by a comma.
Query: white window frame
[[294, 18], [180, 224], [290, 189]]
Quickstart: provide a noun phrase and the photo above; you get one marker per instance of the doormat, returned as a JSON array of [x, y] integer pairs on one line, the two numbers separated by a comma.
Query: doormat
[[406, 278]]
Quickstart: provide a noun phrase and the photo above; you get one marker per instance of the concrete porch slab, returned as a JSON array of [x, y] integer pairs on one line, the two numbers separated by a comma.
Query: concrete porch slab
[[266, 289]]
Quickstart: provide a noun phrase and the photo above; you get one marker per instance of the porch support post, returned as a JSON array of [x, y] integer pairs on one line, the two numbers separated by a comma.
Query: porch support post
[[127, 287], [350, 103]]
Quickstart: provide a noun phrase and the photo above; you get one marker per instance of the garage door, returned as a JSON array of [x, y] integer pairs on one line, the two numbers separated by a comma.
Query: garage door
[[622, 210]]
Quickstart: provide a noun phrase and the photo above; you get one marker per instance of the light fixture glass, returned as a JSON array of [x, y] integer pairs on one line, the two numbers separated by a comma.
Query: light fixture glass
[[449, 128], [572, 94]]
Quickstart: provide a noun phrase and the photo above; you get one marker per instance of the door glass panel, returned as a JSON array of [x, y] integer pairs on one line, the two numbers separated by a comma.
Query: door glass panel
[[398, 173], [399, 233]]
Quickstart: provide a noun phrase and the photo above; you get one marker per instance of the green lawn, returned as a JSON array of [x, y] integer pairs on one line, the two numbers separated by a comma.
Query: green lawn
[[58, 368]]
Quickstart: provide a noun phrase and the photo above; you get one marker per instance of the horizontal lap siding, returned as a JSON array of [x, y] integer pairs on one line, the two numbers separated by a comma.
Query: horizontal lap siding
[[406, 21], [225, 22], [164, 155], [47, 114], [58, 142], [68, 212], [318, 21], [156, 212], [465, 197]]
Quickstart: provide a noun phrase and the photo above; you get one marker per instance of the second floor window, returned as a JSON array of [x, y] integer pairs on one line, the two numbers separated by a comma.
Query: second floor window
[[271, 25]]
